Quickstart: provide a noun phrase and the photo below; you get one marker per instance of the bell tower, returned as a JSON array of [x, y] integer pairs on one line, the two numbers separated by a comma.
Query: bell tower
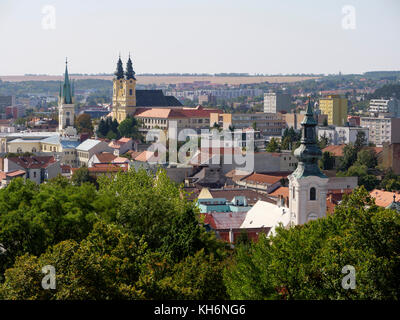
[[307, 184], [124, 91], [66, 106]]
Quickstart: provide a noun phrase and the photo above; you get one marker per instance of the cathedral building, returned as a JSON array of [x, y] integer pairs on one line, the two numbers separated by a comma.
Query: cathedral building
[[127, 99]]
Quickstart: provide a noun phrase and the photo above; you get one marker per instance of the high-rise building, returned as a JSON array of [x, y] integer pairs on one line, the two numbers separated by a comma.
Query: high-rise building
[[335, 106], [275, 102], [387, 107], [382, 129]]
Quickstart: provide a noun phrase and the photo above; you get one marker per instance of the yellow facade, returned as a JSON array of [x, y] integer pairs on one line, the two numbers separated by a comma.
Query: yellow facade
[[124, 98], [335, 107]]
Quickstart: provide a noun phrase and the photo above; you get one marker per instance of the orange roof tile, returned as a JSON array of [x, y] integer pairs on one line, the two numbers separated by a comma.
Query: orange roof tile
[[281, 191], [263, 178], [384, 198], [336, 151], [105, 157]]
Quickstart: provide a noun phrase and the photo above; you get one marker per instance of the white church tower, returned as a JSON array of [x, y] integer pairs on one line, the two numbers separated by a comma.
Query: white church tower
[[66, 106], [307, 184]]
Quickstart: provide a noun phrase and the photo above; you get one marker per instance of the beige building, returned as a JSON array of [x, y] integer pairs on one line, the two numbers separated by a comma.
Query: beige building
[[269, 124], [335, 106], [160, 118]]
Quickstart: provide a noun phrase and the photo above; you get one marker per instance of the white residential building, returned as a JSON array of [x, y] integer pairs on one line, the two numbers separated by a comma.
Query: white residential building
[[342, 135], [88, 148], [275, 102], [389, 107], [382, 129]]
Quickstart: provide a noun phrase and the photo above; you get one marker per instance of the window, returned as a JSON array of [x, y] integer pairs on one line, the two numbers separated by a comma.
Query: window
[[313, 195], [293, 193], [130, 92]]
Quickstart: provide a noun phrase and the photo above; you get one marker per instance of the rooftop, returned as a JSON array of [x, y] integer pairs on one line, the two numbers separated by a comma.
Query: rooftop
[[88, 144]]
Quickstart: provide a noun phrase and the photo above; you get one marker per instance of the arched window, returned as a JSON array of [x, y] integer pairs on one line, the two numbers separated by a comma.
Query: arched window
[[293, 193], [130, 92], [313, 194], [19, 150], [33, 149]]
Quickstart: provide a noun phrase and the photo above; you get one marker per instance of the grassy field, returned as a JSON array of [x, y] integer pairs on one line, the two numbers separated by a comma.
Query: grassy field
[[170, 79]]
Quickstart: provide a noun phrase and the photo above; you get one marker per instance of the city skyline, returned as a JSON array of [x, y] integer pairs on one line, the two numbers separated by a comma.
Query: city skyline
[[260, 37]]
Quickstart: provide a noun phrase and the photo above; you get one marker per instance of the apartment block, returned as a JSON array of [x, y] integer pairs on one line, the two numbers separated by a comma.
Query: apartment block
[[342, 135], [269, 124], [386, 107], [275, 102], [335, 106], [382, 129]]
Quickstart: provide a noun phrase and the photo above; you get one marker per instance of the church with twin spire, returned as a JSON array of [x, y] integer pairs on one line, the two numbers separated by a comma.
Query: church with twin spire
[[126, 98]]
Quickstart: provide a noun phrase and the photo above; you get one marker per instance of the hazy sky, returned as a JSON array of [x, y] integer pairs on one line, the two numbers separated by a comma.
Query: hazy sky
[[196, 36]]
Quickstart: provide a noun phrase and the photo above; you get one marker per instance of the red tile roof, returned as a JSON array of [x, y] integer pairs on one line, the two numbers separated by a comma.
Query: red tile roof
[[224, 220], [108, 167], [281, 191], [384, 198], [336, 151], [105, 157], [33, 162], [260, 178]]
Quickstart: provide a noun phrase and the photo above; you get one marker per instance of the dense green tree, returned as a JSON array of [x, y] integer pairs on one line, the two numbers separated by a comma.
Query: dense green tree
[[81, 176], [34, 217], [368, 158], [369, 181], [154, 208], [327, 161], [361, 141], [349, 157], [83, 123], [306, 262], [102, 129], [273, 146], [129, 128], [390, 181]]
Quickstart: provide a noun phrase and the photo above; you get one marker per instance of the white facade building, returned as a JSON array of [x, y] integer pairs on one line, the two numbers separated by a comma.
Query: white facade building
[[389, 107], [274, 102], [342, 135], [382, 129]]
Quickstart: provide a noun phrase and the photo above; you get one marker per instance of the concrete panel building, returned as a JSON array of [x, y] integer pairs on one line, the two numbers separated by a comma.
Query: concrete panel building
[[335, 106], [275, 102], [382, 129]]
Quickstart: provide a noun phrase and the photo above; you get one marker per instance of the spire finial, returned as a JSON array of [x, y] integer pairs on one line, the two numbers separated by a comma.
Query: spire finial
[[66, 60]]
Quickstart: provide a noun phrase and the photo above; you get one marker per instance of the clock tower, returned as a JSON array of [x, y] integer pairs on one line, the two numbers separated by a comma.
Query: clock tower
[[307, 184], [124, 91], [66, 104]]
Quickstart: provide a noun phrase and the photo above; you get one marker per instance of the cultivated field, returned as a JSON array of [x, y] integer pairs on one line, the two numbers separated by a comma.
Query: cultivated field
[[169, 79]]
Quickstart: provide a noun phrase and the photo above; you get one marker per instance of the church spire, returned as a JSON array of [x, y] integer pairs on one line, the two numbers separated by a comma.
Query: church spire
[[66, 92], [130, 74], [309, 152], [119, 73]]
